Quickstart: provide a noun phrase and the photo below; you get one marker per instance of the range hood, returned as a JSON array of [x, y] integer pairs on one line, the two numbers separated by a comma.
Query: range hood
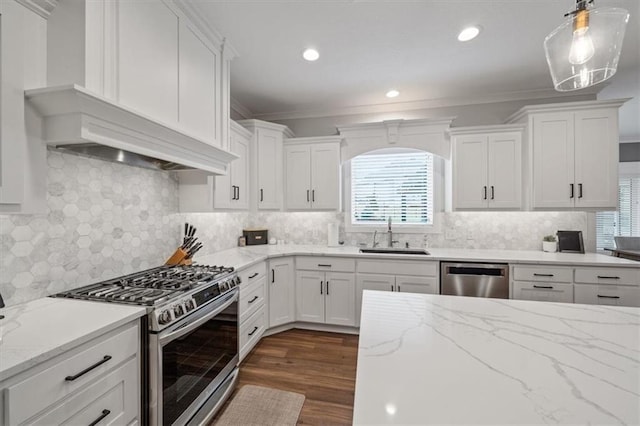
[[81, 122]]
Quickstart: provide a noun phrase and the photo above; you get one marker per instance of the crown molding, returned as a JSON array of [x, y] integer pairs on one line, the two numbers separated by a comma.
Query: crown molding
[[241, 109], [314, 140], [329, 111], [563, 106], [41, 7], [493, 128], [253, 124]]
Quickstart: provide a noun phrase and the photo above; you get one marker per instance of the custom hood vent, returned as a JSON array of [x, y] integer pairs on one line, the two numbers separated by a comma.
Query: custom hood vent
[[80, 122]]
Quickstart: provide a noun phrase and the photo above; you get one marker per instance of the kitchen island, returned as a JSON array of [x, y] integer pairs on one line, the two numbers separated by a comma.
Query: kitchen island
[[425, 359]]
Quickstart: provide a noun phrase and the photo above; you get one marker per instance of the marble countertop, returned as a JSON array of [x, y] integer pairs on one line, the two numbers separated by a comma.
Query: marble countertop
[[425, 359], [36, 331], [242, 257]]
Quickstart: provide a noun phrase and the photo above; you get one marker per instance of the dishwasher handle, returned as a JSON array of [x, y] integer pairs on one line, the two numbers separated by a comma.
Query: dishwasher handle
[[472, 269]]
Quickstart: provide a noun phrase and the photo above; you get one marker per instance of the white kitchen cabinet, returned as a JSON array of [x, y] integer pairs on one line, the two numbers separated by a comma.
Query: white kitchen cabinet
[[572, 151], [232, 190], [199, 191], [154, 57], [312, 178], [405, 276], [546, 292], [282, 292], [266, 163], [98, 378], [252, 306], [607, 294], [487, 169], [23, 164], [325, 290]]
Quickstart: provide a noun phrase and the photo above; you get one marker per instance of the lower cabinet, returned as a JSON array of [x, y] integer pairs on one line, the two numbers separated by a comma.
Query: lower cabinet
[[326, 297], [543, 283], [67, 390], [607, 294], [281, 284], [252, 306]]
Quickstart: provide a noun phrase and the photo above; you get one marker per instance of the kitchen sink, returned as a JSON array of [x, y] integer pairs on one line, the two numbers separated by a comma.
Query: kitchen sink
[[393, 250]]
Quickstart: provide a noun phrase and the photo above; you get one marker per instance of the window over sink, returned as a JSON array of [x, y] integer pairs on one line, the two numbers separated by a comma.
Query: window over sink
[[396, 183]]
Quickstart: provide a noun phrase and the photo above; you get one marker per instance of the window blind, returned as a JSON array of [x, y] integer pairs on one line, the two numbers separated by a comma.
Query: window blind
[[625, 222], [398, 185]]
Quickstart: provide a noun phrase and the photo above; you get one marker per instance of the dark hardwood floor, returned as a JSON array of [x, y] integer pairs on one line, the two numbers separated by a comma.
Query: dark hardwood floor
[[322, 366]]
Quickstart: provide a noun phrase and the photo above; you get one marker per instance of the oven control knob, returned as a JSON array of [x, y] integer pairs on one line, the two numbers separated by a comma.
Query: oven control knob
[[232, 283], [164, 317], [189, 305], [178, 310]]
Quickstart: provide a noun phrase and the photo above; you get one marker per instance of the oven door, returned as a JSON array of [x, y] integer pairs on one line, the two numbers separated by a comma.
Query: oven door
[[189, 360]]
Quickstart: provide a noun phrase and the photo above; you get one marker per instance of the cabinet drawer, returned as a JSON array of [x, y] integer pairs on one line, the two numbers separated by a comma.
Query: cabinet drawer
[[399, 267], [628, 276], [117, 393], [251, 299], [543, 273], [547, 292], [45, 388], [607, 294], [323, 263], [253, 273], [251, 331], [410, 284]]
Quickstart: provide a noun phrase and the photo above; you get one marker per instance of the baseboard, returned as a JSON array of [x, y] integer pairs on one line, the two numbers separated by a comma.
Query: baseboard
[[312, 326]]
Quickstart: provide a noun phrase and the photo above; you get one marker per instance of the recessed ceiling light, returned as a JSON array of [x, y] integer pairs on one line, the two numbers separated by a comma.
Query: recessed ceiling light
[[310, 54], [392, 93], [468, 33]]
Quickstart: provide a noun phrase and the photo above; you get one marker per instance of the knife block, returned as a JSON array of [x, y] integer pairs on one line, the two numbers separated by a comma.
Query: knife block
[[179, 257]]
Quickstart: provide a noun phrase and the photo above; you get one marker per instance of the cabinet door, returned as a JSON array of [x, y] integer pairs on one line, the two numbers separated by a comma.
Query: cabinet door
[[546, 292], [197, 84], [340, 303], [325, 176], [281, 292], [425, 285], [310, 288], [148, 59], [596, 158], [553, 160], [240, 172], [298, 177], [269, 154], [470, 172], [504, 170], [377, 282]]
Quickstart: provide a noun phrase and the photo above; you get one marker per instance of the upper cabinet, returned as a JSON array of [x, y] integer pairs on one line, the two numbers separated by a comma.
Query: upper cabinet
[[199, 191], [572, 151], [312, 167], [148, 56], [487, 171], [266, 177]]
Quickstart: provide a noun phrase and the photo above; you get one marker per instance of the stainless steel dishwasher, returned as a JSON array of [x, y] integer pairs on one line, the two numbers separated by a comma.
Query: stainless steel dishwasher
[[475, 279]]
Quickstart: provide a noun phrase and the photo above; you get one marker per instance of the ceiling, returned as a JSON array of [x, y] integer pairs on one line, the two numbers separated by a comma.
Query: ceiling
[[368, 47]]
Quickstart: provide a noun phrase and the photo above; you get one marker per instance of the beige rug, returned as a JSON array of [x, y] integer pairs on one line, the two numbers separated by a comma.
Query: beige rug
[[256, 405]]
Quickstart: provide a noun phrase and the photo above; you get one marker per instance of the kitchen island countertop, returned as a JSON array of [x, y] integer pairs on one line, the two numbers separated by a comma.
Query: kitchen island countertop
[[36, 331], [425, 359], [242, 257]]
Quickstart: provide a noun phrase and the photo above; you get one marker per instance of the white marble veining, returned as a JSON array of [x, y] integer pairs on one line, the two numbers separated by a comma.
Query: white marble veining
[[38, 330], [243, 257], [425, 359]]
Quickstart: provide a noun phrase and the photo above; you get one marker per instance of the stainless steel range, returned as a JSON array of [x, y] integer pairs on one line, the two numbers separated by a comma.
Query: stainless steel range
[[192, 339]]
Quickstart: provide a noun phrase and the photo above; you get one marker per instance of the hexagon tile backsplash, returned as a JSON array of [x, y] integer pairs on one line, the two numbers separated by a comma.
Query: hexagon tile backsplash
[[106, 219]]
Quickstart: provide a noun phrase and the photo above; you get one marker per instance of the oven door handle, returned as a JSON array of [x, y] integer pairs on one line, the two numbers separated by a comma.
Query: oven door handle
[[194, 323]]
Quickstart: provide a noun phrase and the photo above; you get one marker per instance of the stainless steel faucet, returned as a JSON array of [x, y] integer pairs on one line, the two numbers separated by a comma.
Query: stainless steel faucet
[[390, 239]]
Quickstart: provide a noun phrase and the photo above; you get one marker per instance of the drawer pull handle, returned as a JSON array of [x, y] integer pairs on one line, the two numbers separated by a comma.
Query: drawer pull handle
[[254, 299], [324, 265], [86, 370], [273, 276], [253, 331], [548, 287], [104, 414], [608, 297], [542, 275], [327, 288], [604, 277], [253, 275]]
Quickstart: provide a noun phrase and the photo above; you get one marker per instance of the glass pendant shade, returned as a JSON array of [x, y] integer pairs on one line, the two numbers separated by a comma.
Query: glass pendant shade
[[585, 49]]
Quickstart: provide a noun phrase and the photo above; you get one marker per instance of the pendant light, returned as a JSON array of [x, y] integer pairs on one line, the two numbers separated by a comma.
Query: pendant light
[[585, 49]]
